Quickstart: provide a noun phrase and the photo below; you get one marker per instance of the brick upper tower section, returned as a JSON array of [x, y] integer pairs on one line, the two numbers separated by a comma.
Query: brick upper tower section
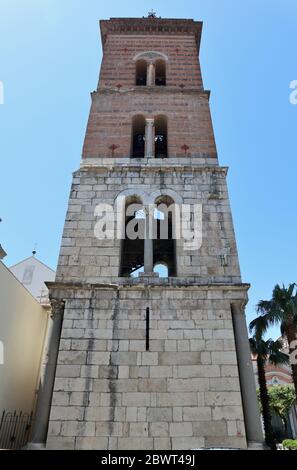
[[182, 101], [124, 39]]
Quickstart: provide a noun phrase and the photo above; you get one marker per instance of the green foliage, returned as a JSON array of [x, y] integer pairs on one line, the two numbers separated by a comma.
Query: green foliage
[[290, 444], [280, 309], [259, 401], [281, 399]]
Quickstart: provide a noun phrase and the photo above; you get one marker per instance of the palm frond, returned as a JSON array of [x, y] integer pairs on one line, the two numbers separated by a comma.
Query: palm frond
[[278, 357], [259, 326]]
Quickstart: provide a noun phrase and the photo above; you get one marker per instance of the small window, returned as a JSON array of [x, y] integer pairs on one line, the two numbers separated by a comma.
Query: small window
[[160, 73], [141, 71], [28, 275]]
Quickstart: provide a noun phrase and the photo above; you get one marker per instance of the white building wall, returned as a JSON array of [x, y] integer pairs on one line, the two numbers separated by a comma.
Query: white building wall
[[23, 324], [32, 273]]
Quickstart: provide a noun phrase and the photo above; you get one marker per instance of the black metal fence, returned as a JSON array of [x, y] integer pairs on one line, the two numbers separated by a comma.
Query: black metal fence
[[15, 429]]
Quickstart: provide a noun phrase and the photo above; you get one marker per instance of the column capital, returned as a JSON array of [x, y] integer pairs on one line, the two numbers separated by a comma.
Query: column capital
[[238, 306], [149, 121], [57, 306]]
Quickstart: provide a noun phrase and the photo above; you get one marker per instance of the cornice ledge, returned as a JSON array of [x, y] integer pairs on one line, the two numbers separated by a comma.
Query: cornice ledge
[[151, 89], [168, 283], [154, 168]]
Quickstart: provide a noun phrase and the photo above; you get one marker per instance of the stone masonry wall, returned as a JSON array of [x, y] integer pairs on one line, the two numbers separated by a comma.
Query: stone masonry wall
[[84, 258], [110, 393]]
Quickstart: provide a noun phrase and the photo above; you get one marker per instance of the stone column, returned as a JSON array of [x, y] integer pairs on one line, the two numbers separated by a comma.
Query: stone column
[[46, 388], [251, 412], [151, 74], [149, 138], [148, 245]]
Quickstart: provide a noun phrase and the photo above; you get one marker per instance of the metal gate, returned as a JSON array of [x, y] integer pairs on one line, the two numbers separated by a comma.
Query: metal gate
[[15, 429]]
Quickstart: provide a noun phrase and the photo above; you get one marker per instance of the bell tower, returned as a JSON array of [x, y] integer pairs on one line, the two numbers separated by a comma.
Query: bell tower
[[149, 345]]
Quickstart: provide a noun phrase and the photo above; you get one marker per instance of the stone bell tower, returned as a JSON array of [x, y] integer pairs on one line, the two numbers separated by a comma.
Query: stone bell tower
[[149, 345]]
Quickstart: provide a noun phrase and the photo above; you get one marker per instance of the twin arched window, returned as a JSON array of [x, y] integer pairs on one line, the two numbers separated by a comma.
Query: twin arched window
[[149, 251], [150, 73], [149, 137]]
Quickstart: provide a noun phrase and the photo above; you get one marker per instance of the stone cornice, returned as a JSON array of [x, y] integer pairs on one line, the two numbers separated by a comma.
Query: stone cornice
[[151, 26], [149, 90], [113, 166], [155, 283]]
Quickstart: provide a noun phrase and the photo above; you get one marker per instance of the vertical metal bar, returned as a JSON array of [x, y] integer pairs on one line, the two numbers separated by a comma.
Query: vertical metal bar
[[9, 424], [18, 430], [14, 429], [147, 336]]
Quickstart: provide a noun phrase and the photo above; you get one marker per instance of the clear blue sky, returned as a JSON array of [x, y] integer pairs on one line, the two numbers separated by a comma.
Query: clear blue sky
[[49, 62]]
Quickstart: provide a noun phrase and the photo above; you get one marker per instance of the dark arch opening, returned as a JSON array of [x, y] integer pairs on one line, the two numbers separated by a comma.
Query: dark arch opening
[[138, 136], [164, 243], [160, 137], [132, 247], [160, 72], [141, 72]]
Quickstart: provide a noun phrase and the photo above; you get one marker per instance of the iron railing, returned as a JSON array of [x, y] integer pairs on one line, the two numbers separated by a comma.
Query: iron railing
[[15, 429]]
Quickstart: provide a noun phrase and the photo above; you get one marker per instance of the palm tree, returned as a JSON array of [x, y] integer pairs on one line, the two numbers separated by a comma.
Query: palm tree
[[264, 351], [281, 309]]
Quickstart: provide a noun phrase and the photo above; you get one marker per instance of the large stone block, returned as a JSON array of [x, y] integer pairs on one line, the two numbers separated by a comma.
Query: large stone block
[[181, 429], [132, 443], [179, 358], [177, 399], [195, 413], [159, 414], [187, 443], [159, 429], [188, 385]]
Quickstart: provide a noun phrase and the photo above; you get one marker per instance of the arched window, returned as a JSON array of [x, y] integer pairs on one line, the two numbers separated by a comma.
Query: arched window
[[138, 136], [160, 137], [141, 72], [160, 72], [132, 249], [164, 243]]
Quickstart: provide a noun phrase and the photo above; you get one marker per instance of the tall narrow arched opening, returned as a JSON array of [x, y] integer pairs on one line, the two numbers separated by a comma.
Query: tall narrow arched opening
[[138, 136], [141, 73], [164, 250], [160, 72], [160, 136], [132, 246]]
